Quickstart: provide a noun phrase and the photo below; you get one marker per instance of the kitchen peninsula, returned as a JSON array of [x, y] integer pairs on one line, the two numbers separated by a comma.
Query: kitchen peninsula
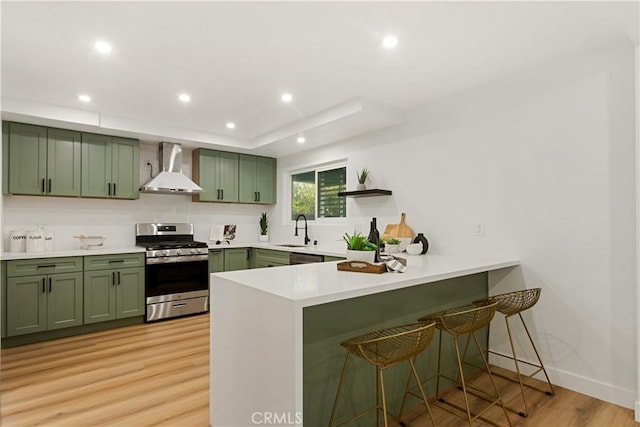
[[275, 333]]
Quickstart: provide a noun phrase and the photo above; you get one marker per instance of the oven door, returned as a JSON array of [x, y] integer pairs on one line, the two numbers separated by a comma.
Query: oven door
[[167, 278]]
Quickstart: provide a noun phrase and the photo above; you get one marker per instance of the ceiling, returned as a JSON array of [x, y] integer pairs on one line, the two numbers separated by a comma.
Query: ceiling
[[235, 59]]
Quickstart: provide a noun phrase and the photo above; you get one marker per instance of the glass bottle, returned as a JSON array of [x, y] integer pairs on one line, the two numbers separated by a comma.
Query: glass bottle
[[374, 237]]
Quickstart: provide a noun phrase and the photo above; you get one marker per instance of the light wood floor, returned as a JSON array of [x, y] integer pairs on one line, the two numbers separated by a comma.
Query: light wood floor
[[158, 375]]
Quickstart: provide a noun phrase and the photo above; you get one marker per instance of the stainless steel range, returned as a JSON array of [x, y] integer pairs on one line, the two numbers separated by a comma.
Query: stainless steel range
[[177, 270]]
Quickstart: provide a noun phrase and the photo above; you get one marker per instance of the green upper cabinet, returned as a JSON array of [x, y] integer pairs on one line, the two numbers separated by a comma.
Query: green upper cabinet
[[5, 157], [257, 179], [217, 173], [109, 167], [43, 161], [63, 162]]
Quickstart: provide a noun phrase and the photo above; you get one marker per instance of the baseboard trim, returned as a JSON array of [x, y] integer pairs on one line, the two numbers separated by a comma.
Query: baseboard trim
[[600, 390]]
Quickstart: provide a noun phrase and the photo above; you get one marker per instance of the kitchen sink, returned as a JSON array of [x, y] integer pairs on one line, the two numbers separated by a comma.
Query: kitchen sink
[[289, 245]]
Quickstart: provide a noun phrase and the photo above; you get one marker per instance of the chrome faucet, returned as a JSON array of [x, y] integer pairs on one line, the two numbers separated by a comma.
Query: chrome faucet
[[306, 229]]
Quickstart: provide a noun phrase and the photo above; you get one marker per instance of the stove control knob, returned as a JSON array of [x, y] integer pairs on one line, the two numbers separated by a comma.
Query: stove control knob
[[165, 252], [194, 251]]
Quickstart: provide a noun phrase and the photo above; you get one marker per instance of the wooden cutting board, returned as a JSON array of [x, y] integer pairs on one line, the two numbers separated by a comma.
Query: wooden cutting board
[[398, 231]]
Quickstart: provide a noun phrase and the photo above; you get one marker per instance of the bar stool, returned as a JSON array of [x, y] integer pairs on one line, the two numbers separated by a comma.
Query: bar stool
[[509, 304], [385, 348], [460, 321]]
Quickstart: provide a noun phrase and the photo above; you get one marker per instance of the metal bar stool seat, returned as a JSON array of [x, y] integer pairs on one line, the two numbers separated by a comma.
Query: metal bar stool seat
[[385, 348], [460, 321], [510, 304]]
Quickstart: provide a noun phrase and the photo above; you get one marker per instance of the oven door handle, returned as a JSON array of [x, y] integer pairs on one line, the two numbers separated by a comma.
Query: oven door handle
[[177, 259]]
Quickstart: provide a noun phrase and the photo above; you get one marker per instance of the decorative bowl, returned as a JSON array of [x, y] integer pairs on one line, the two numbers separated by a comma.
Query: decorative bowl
[[414, 249], [90, 242]]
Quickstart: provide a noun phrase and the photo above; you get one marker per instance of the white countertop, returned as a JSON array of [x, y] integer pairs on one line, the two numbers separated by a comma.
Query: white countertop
[[319, 283], [8, 256], [330, 250]]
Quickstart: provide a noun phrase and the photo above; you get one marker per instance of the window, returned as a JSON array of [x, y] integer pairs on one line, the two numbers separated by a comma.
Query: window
[[314, 194]]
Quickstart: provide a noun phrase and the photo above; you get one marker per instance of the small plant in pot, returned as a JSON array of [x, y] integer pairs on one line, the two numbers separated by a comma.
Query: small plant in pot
[[392, 245], [264, 227], [362, 179], [359, 248]]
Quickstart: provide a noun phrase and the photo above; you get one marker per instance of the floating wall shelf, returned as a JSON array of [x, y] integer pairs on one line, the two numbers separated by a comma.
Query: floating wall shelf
[[365, 193]]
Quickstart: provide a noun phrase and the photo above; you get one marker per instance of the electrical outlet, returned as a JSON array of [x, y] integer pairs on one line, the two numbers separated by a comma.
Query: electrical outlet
[[479, 229]]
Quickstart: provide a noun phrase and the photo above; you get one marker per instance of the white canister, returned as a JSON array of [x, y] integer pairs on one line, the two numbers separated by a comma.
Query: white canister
[[35, 241], [17, 241], [48, 240]]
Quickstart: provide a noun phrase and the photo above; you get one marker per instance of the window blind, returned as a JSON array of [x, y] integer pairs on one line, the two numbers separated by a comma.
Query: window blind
[[330, 182]]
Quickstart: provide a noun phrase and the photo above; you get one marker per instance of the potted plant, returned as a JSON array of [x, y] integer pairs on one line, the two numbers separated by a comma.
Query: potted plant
[[359, 248], [392, 245], [362, 179], [264, 227]]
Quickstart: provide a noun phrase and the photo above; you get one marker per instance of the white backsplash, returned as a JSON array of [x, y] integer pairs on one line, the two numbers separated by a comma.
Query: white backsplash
[[116, 219]]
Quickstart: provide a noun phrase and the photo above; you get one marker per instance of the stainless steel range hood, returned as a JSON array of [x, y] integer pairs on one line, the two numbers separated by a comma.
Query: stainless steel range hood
[[171, 180]]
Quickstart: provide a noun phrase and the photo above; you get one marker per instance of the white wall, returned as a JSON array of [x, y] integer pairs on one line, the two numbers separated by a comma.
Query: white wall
[[116, 219], [546, 161]]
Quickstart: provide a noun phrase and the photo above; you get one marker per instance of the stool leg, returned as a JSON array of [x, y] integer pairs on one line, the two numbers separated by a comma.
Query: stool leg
[[515, 360], [384, 400], [537, 355], [493, 383], [407, 388], [335, 403], [424, 397], [438, 365], [461, 373]]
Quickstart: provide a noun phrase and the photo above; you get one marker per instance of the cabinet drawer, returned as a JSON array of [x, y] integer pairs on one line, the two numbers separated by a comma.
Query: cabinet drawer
[[107, 262], [31, 267]]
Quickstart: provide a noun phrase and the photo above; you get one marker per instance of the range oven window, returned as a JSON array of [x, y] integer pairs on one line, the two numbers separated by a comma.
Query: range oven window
[[173, 278]]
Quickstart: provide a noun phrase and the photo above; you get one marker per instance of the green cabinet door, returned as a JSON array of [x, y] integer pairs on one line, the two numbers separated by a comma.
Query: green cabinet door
[[216, 260], [228, 176], [236, 259], [205, 166], [5, 157], [99, 296], [266, 180], [248, 192], [26, 305], [130, 292], [64, 300], [63, 162], [257, 179], [96, 165], [28, 159], [125, 168]]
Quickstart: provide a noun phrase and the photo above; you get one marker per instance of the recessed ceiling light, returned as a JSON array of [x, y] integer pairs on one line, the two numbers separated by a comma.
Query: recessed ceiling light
[[301, 140], [231, 125], [184, 97], [390, 42], [102, 46], [286, 97], [84, 98]]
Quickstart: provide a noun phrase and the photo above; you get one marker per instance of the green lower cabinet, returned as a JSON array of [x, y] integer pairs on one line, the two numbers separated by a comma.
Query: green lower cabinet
[[328, 258], [236, 259], [216, 260], [113, 294], [45, 302], [261, 258]]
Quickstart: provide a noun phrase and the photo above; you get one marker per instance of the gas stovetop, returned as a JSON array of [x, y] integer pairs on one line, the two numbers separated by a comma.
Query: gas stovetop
[[169, 240]]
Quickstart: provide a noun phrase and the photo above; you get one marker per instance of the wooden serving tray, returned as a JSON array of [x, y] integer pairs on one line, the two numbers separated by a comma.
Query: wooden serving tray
[[362, 267]]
